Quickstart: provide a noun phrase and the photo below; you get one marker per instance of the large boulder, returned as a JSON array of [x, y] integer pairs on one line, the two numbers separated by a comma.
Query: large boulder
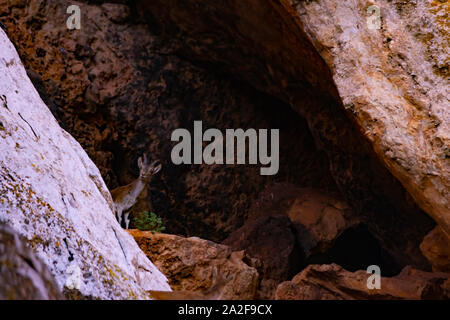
[[379, 152], [319, 216], [393, 82], [436, 248], [23, 275], [188, 263], [53, 195], [287, 225], [331, 282], [271, 241], [319, 219]]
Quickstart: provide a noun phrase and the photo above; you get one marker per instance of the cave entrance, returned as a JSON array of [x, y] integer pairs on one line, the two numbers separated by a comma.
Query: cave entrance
[[356, 249], [232, 64], [265, 45]]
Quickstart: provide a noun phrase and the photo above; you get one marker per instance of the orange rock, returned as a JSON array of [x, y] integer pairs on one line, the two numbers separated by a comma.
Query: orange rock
[[436, 248], [331, 282], [319, 219], [271, 241], [188, 263]]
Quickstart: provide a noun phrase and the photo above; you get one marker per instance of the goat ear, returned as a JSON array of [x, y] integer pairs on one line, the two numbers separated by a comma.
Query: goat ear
[[140, 163], [157, 168]]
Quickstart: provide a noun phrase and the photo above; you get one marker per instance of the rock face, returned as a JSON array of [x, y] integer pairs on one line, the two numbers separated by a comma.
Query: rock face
[[23, 276], [393, 81], [318, 216], [436, 248], [271, 240], [120, 89], [363, 113], [52, 194], [137, 70], [331, 282], [188, 263], [266, 45]]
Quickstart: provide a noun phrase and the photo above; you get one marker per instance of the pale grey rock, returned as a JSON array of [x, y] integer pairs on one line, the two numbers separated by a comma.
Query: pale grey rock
[[52, 194]]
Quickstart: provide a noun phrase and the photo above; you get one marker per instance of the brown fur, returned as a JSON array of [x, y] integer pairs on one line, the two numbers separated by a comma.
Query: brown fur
[[125, 197]]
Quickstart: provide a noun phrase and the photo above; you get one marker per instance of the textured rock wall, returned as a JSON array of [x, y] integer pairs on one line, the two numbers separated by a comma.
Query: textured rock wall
[[121, 89], [373, 125], [265, 44], [52, 194], [23, 275], [188, 263], [394, 83]]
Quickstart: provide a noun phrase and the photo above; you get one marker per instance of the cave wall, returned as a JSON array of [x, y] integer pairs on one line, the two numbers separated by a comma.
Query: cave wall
[[393, 81], [121, 90], [53, 197], [138, 70], [266, 44]]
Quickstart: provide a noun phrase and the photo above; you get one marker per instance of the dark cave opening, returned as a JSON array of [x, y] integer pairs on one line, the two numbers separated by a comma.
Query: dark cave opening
[[256, 81], [122, 89], [356, 249]]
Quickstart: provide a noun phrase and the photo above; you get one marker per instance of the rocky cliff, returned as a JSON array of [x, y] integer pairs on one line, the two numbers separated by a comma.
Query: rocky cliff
[[361, 100], [394, 82], [53, 195], [120, 88]]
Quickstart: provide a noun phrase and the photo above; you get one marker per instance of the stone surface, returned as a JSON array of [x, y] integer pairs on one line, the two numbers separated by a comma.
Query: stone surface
[[53, 195], [23, 276], [319, 219], [139, 69], [271, 240], [188, 263], [287, 225], [331, 282], [393, 82], [120, 89], [318, 216], [265, 43], [436, 248]]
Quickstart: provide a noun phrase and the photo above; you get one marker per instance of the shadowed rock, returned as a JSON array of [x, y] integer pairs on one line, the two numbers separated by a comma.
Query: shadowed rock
[[331, 282], [271, 240], [23, 275], [436, 248], [188, 263]]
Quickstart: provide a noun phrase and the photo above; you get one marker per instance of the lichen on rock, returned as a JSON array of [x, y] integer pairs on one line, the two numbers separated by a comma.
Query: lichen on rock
[[53, 195]]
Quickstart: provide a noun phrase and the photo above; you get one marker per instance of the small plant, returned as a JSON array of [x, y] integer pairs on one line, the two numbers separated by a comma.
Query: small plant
[[149, 222]]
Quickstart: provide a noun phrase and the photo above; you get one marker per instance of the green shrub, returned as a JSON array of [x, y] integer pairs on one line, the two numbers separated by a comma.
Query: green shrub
[[149, 222]]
